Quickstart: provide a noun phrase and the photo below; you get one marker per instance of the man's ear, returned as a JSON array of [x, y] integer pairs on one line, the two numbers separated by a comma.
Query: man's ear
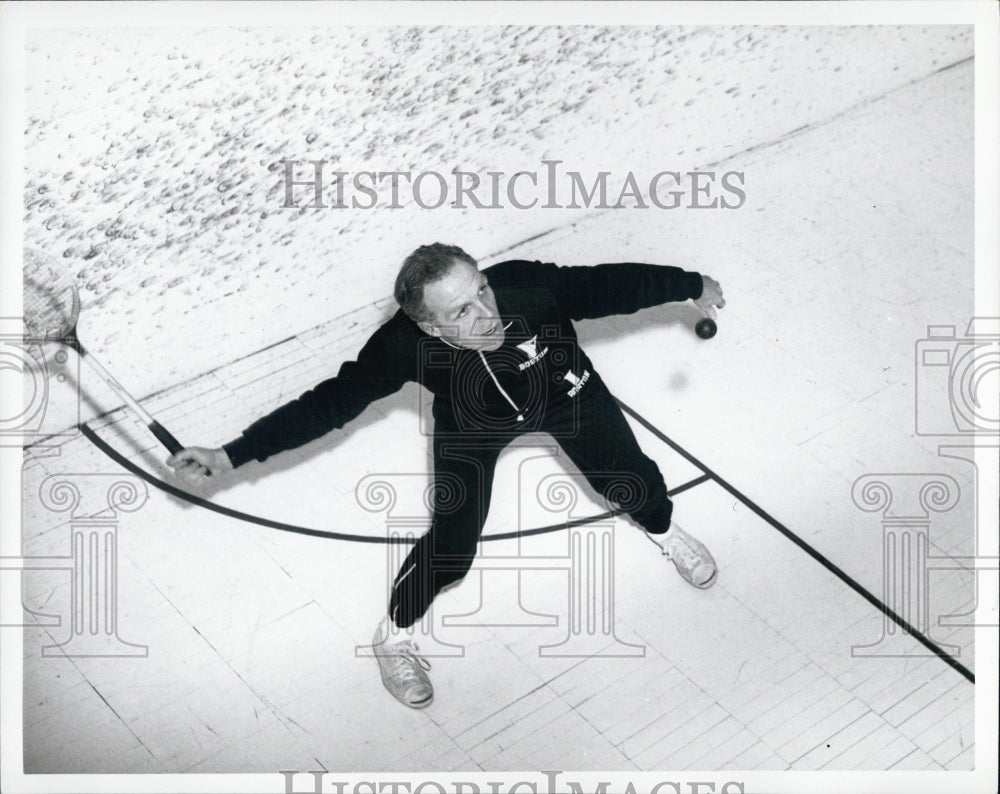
[[428, 328]]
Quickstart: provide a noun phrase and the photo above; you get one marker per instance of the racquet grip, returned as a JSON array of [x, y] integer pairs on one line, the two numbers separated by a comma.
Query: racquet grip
[[164, 437]]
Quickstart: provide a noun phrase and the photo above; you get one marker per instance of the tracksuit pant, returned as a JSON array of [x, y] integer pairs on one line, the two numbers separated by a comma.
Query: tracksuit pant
[[594, 435]]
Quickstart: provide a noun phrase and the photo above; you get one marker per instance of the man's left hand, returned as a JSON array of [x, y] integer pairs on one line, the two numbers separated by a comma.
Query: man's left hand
[[711, 297]]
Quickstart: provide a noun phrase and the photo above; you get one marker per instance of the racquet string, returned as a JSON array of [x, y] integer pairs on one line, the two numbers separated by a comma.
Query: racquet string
[[51, 299], [51, 310]]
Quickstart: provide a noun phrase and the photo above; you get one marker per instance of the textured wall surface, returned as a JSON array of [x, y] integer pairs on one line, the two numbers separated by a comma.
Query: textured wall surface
[[151, 154]]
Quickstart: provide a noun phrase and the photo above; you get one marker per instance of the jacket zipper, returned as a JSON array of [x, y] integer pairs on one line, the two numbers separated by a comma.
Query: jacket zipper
[[520, 416]]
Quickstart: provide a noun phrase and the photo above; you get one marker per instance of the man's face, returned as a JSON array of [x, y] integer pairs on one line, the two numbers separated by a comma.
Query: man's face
[[463, 310]]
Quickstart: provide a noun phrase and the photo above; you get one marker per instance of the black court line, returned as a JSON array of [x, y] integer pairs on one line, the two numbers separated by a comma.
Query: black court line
[[689, 484], [846, 578], [708, 475], [187, 496]]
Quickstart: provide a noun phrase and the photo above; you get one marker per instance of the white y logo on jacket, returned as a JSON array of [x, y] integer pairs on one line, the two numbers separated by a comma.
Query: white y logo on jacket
[[530, 349]]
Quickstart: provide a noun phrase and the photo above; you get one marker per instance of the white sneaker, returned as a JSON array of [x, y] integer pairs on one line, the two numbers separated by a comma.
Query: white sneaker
[[692, 560], [403, 669]]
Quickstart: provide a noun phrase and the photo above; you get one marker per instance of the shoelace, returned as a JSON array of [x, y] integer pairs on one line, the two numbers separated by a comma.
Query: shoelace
[[408, 659], [684, 550], [678, 542]]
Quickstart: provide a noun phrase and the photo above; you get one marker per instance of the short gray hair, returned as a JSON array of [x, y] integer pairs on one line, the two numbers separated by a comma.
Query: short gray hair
[[427, 264]]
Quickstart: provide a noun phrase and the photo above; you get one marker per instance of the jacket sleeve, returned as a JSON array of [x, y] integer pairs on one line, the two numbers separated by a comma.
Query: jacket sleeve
[[381, 369], [594, 291]]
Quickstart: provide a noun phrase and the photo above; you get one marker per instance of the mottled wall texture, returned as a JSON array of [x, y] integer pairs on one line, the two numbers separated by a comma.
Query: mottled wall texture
[[152, 155]]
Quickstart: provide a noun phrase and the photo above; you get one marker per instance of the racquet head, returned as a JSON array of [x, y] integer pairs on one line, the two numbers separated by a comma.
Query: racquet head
[[51, 311], [51, 298]]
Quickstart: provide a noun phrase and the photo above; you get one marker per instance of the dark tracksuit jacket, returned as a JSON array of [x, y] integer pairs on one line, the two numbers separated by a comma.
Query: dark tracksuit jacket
[[539, 379]]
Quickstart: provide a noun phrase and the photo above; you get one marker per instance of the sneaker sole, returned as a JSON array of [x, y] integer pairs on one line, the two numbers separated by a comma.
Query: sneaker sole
[[416, 704], [421, 704]]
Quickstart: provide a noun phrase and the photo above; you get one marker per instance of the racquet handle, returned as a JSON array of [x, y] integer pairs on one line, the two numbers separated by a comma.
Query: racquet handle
[[162, 434], [164, 437]]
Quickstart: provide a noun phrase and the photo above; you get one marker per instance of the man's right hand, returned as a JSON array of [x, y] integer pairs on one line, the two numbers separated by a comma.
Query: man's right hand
[[194, 465]]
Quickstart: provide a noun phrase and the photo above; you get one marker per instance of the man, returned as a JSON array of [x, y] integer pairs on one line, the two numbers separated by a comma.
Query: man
[[498, 350]]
